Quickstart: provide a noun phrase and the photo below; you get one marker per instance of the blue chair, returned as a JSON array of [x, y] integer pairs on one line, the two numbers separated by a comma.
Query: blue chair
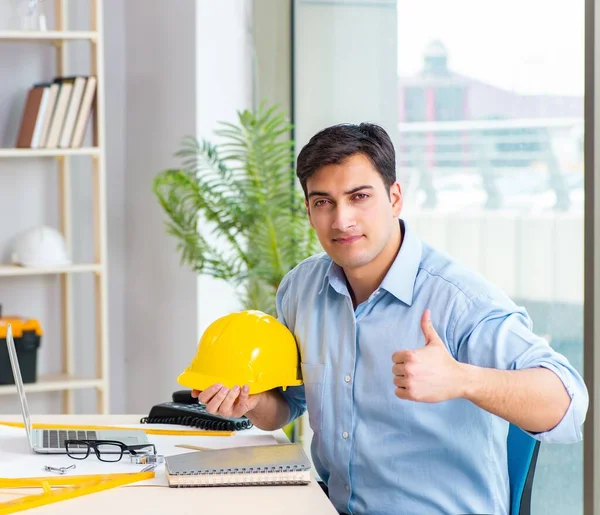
[[522, 452]]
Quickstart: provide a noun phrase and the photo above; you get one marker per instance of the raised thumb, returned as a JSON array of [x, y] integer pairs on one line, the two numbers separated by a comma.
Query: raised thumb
[[431, 336]]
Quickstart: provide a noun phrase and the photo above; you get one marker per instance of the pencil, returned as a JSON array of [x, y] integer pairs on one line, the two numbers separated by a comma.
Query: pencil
[[194, 447]]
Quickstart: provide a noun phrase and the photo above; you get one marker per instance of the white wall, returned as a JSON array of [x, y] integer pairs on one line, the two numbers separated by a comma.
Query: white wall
[[160, 296], [188, 68], [223, 87], [116, 144]]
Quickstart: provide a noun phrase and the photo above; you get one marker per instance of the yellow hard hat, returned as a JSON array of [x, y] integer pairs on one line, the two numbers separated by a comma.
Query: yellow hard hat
[[248, 347]]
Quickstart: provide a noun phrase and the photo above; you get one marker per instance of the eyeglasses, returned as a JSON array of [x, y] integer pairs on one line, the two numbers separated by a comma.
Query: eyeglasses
[[105, 450]]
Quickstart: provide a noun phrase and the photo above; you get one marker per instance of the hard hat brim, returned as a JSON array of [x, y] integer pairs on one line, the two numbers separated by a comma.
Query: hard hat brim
[[201, 382]]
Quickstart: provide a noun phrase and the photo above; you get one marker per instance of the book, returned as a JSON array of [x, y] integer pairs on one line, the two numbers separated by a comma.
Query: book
[[84, 112], [39, 123], [31, 119], [282, 464], [52, 95], [60, 110], [71, 113]]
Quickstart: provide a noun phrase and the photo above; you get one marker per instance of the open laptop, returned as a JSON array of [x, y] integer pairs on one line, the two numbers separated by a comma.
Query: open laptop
[[52, 441]]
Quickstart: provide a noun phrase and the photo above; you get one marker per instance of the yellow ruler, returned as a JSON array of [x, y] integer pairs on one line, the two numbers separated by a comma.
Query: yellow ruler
[[164, 432], [71, 487]]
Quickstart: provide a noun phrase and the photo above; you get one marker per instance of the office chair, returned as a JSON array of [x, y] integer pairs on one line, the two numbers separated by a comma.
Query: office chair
[[522, 452], [522, 458]]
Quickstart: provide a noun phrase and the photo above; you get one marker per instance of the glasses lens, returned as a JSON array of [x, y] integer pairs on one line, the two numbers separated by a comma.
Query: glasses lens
[[77, 450], [109, 452]]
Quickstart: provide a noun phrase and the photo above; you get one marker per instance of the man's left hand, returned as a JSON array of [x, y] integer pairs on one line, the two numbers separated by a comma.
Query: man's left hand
[[429, 374]]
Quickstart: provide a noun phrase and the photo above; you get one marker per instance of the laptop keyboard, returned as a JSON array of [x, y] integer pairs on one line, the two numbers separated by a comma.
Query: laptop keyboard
[[55, 438]]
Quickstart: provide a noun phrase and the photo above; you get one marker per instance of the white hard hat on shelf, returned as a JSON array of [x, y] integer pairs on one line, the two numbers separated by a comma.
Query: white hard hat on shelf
[[39, 247]]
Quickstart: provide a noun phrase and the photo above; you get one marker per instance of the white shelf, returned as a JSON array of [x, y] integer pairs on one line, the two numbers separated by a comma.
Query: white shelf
[[8, 270], [48, 152], [60, 62], [49, 35], [54, 383]]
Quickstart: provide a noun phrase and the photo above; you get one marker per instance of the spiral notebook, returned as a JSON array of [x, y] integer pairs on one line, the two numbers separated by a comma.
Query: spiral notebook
[[283, 464]]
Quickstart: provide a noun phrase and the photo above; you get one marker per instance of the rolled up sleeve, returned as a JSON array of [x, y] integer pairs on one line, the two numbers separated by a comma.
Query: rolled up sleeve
[[295, 397], [569, 429], [496, 333]]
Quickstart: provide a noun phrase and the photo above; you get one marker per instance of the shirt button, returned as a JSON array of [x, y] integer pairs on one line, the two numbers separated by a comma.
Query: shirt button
[[347, 378], [345, 435], [347, 488]]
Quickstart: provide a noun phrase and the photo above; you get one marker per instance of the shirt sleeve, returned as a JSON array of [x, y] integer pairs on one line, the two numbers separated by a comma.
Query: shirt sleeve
[[497, 334], [294, 395]]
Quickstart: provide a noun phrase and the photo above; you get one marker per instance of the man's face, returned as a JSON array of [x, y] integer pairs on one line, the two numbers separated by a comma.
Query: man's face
[[352, 211]]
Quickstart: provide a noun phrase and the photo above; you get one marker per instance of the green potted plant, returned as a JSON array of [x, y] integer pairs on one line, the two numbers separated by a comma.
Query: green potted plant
[[241, 190]]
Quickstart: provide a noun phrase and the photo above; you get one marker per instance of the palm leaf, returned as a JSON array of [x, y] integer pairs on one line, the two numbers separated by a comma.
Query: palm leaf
[[240, 191]]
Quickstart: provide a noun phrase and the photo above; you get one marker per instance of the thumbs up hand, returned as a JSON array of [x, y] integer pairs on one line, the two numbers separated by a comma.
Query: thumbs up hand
[[429, 374]]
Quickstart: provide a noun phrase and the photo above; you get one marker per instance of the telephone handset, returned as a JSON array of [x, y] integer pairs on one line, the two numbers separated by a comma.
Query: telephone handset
[[187, 411]]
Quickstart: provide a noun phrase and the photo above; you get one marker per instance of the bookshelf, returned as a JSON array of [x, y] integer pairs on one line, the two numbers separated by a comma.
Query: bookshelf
[[71, 269], [48, 35], [55, 383], [48, 152], [68, 381]]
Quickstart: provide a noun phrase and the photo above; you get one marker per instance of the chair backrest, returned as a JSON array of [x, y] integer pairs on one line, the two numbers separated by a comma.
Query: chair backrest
[[522, 458]]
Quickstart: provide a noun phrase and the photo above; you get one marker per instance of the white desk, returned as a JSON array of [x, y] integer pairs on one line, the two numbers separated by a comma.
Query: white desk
[[147, 500]]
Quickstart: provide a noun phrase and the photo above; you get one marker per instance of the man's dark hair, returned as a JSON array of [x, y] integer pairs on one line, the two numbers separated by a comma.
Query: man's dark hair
[[335, 144]]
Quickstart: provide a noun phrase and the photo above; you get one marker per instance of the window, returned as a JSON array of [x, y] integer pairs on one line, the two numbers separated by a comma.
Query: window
[[484, 102]]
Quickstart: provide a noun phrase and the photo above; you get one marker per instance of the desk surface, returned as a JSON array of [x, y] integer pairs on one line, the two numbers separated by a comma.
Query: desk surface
[[147, 500]]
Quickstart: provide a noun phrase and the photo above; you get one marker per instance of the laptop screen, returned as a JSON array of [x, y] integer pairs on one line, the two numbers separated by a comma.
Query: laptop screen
[[14, 363]]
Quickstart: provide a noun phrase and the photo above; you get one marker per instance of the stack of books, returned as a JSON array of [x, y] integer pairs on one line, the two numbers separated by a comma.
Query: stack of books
[[56, 113]]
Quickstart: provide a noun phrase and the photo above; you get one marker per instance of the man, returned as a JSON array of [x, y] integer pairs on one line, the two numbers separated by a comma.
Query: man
[[412, 365]]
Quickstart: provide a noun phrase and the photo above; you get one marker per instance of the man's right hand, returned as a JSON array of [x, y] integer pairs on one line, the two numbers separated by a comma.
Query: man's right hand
[[221, 401]]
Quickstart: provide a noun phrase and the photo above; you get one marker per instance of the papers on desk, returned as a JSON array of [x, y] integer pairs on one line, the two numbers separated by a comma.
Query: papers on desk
[[17, 460]]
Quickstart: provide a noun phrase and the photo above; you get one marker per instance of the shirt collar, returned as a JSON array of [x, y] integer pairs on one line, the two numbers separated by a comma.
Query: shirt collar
[[400, 279], [336, 278]]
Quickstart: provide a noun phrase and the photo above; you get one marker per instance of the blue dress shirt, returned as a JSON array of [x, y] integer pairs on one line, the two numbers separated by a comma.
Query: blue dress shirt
[[377, 453]]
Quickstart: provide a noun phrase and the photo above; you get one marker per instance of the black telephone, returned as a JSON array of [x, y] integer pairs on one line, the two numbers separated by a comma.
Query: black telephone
[[187, 411]]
